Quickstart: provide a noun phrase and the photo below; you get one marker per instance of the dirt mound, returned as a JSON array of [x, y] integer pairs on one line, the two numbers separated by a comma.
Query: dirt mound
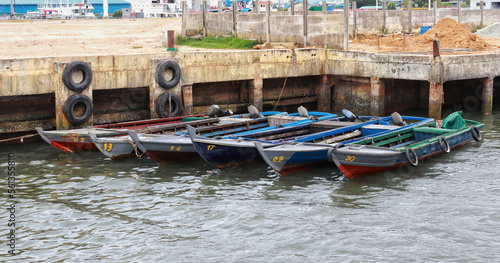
[[452, 34], [492, 30]]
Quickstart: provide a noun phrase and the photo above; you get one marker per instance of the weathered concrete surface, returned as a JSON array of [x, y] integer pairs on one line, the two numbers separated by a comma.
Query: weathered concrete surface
[[256, 77]]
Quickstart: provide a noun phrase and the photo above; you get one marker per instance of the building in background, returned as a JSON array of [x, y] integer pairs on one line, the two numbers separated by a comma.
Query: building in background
[[25, 6], [487, 4]]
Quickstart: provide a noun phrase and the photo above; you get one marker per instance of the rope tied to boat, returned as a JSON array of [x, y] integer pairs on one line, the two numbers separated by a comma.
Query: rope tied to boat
[[137, 154], [399, 138]]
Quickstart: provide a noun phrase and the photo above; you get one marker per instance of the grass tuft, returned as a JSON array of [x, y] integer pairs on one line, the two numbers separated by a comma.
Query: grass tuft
[[216, 42]]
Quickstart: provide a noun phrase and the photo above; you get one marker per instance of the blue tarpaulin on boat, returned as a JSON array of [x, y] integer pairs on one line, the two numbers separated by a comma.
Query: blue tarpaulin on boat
[[454, 121]]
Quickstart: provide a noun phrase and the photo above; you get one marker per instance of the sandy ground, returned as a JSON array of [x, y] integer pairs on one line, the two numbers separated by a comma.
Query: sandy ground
[[47, 38]]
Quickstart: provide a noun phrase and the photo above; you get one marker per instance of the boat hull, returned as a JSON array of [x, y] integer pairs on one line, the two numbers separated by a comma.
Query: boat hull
[[355, 164], [167, 149], [71, 141], [116, 147], [226, 153]]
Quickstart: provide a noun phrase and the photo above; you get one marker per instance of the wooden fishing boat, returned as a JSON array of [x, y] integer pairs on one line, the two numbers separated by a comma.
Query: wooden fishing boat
[[404, 147], [76, 140], [239, 148], [161, 147], [311, 151]]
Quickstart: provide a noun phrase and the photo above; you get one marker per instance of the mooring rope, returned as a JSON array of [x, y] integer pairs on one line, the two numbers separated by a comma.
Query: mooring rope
[[280, 94], [19, 137]]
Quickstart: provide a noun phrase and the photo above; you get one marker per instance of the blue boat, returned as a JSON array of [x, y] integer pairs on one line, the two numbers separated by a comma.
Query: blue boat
[[314, 150], [239, 148], [160, 142], [406, 147]]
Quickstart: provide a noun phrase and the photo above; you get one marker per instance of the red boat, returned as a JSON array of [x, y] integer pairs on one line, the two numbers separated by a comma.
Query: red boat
[[78, 140]]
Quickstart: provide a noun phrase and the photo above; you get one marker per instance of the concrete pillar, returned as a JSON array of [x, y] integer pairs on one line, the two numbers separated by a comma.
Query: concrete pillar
[[410, 22], [435, 12], [487, 96], [184, 18], [155, 90], [187, 97], [292, 7], [255, 93], [305, 7], [324, 92], [268, 21], [235, 12], [324, 8], [258, 6], [355, 26], [204, 22], [435, 100], [219, 4], [482, 12], [459, 12], [62, 93], [384, 9], [346, 23], [377, 97]]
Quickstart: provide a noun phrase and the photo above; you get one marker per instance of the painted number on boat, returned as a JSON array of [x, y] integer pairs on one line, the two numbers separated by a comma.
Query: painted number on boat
[[277, 159], [82, 139], [350, 158], [177, 149], [108, 147], [210, 147]]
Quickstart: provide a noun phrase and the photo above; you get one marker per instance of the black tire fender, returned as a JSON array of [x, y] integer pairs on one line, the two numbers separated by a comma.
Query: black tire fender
[[160, 74], [408, 157], [67, 76], [163, 100], [476, 134], [69, 107], [445, 146]]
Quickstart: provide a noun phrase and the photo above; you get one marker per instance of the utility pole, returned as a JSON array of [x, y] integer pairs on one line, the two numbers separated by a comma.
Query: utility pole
[[12, 11]]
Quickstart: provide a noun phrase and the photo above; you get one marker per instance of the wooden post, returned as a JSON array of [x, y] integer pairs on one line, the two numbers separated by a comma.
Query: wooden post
[[377, 97], [204, 19], [235, 11], [324, 7], [410, 22], [268, 21], [184, 18], [346, 21], [325, 94], [292, 6], [354, 16], [305, 7], [487, 97], [435, 100], [435, 12], [187, 97]]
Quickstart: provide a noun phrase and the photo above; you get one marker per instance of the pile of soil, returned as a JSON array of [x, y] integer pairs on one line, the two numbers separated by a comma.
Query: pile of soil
[[492, 30], [451, 35]]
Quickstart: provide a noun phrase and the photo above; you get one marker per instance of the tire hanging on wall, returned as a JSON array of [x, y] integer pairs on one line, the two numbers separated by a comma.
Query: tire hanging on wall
[[160, 74], [69, 109], [67, 76], [163, 101]]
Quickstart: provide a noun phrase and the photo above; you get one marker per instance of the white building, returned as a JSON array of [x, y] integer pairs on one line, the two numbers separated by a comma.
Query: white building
[[155, 8], [487, 4]]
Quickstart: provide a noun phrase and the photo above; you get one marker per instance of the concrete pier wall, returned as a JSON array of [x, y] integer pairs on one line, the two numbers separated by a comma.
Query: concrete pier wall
[[124, 86]]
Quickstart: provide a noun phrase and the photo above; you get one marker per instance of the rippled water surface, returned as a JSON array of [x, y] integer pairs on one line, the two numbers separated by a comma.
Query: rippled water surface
[[85, 207]]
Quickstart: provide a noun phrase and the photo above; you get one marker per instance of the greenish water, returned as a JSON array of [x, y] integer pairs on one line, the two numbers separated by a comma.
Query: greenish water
[[85, 207]]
